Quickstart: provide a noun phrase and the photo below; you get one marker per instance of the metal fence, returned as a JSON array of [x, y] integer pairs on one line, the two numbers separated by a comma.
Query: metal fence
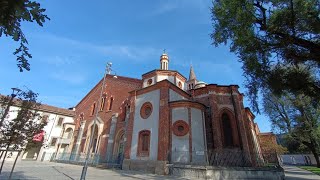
[[224, 158]]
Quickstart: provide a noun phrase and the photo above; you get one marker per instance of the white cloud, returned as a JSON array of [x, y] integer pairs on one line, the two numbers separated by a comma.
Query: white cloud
[[70, 77], [172, 5], [59, 60], [135, 53], [165, 7]]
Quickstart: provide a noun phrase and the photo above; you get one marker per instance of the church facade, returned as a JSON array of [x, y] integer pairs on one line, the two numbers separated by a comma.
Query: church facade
[[165, 118]]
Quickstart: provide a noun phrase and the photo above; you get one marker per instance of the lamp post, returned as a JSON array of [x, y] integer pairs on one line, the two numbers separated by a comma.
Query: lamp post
[[14, 93], [85, 166]]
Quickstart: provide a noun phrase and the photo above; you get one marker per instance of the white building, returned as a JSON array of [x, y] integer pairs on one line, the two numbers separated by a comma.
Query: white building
[[57, 136]]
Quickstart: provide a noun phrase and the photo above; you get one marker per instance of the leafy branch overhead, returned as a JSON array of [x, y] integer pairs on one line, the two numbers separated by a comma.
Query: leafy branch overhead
[[12, 13], [277, 41]]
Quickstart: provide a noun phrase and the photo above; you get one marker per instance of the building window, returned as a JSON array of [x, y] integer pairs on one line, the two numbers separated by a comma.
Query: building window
[[45, 118], [127, 113], [149, 82], [103, 99], [180, 84], [180, 128], [146, 110], [227, 131], [81, 117], [110, 104], [144, 143], [53, 141], [60, 120], [93, 107]]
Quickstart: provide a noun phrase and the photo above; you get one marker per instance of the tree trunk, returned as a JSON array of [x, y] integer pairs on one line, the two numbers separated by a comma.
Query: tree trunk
[[316, 155], [313, 149]]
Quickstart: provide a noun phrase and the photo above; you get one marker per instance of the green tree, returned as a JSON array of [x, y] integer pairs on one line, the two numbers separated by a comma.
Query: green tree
[[12, 13], [277, 41], [18, 131], [296, 116]]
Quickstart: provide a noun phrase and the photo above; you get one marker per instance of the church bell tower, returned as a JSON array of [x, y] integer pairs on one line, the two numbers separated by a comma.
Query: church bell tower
[[164, 61]]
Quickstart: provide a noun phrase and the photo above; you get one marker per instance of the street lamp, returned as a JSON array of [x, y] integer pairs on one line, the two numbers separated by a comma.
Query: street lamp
[[14, 93], [85, 166]]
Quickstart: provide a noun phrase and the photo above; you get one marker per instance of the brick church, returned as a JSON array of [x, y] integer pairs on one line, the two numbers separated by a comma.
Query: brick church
[[164, 118]]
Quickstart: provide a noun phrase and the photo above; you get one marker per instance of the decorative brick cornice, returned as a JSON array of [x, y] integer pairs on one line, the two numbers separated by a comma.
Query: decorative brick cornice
[[249, 113], [163, 72], [187, 103], [158, 85], [218, 89]]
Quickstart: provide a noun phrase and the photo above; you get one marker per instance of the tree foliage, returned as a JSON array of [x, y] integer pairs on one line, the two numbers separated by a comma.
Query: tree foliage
[[297, 117], [17, 131], [268, 146], [12, 14], [277, 41]]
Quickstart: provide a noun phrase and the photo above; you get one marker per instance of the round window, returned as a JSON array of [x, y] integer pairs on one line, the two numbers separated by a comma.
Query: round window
[[180, 84], [149, 82], [146, 110], [180, 128]]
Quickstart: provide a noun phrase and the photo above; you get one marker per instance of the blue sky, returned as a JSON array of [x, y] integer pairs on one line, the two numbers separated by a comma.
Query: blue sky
[[71, 50]]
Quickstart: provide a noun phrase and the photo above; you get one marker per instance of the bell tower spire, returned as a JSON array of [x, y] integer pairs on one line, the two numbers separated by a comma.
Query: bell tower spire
[[164, 61], [192, 81], [192, 75]]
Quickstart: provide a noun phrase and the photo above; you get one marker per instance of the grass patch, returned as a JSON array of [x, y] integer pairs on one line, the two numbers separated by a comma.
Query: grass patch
[[311, 169]]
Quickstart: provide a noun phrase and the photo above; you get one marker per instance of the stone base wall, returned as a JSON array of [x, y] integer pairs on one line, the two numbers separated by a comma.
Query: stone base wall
[[209, 172], [149, 166]]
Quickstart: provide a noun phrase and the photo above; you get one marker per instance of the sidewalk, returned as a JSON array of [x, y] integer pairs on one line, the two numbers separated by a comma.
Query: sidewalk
[[60, 171], [295, 173]]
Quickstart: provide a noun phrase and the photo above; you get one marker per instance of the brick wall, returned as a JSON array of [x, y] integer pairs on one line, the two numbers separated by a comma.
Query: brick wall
[[119, 89]]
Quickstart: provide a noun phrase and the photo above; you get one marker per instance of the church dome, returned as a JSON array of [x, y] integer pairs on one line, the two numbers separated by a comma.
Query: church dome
[[200, 84]]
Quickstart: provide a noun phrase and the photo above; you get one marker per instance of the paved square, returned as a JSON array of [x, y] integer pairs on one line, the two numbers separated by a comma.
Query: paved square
[[60, 171]]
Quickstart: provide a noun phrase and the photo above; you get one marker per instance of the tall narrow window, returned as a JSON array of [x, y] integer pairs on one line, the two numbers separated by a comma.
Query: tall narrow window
[[45, 118], [227, 131], [53, 141], [144, 143], [110, 105], [127, 113], [60, 120], [103, 99], [93, 108]]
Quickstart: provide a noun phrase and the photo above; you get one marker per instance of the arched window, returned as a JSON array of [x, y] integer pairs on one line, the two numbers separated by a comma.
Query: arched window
[[127, 113], [227, 131], [110, 104], [144, 143], [93, 108], [103, 99]]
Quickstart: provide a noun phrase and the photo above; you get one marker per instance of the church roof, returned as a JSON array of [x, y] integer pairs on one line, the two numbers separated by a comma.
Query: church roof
[[162, 71], [192, 75]]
